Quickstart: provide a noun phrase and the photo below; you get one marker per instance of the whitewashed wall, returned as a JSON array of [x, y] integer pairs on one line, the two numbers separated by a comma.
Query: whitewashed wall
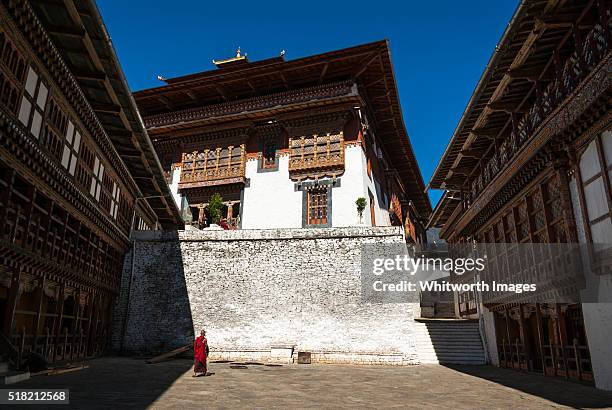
[[597, 316], [176, 176], [270, 200], [344, 210]]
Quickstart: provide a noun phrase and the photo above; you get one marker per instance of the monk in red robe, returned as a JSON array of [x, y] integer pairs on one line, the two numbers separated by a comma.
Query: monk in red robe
[[200, 352]]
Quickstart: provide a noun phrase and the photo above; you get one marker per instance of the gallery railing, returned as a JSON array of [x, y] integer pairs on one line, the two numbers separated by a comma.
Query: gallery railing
[[213, 167], [323, 155]]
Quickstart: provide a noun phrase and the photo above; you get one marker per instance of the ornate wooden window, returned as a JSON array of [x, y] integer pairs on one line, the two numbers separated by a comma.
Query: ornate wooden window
[[268, 155], [96, 180], [316, 156], [12, 70], [72, 144], [114, 207], [33, 103], [316, 206], [595, 186], [213, 166]]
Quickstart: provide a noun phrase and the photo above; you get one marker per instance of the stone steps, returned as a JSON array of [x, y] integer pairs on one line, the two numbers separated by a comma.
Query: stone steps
[[449, 341]]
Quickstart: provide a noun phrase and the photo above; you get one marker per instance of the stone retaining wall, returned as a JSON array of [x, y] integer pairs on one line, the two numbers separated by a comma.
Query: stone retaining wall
[[254, 290]]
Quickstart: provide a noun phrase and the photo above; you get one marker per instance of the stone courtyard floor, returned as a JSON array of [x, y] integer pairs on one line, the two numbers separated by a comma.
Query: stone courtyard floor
[[113, 382]]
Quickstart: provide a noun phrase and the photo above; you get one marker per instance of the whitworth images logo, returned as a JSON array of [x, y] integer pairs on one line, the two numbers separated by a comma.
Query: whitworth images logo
[[546, 273]]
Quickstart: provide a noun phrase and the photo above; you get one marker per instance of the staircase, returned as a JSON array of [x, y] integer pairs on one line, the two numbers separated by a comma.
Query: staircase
[[449, 341]]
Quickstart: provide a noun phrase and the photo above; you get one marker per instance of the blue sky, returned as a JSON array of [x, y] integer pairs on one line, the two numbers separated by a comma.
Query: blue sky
[[439, 49]]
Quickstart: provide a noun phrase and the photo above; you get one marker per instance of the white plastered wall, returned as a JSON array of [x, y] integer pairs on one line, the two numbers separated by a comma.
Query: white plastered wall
[[271, 201], [597, 316]]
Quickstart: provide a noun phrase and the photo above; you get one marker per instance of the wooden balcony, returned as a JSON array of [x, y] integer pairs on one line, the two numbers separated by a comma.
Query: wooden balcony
[[211, 167], [316, 156]]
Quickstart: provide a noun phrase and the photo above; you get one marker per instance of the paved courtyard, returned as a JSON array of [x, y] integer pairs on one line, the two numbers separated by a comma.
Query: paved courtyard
[[127, 382]]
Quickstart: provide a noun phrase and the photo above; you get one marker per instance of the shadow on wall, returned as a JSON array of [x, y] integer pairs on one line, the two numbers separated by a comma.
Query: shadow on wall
[[153, 311], [566, 393]]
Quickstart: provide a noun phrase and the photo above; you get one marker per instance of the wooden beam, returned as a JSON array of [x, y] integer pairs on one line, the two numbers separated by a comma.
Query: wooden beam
[[11, 304], [471, 153], [221, 92], [509, 107], [556, 21], [323, 72], [90, 75], [530, 74], [368, 62], [491, 133], [63, 31], [106, 108]]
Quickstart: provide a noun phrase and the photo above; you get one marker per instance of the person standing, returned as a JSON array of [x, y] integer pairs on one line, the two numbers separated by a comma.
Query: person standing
[[200, 352]]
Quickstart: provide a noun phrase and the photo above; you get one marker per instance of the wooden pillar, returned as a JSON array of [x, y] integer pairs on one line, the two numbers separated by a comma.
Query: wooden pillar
[[13, 298], [201, 215], [540, 339], [57, 325], [561, 168], [230, 210], [524, 339], [507, 312], [39, 312], [562, 337], [90, 328], [75, 321]]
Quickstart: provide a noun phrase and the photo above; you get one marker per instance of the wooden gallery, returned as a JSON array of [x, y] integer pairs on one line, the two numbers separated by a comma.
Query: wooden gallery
[[531, 162], [77, 172]]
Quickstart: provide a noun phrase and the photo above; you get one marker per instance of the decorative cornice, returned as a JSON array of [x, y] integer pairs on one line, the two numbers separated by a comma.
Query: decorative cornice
[[252, 104]]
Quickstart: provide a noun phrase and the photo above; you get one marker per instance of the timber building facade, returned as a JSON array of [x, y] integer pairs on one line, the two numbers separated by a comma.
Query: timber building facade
[[531, 162], [290, 144], [77, 173]]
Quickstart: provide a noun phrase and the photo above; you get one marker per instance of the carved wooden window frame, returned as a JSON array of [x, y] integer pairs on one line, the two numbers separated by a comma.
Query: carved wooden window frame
[[33, 103], [269, 158], [72, 144], [309, 187], [96, 179], [114, 206], [603, 174]]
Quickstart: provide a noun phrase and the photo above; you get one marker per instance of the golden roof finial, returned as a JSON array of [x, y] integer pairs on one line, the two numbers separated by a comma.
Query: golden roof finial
[[239, 58]]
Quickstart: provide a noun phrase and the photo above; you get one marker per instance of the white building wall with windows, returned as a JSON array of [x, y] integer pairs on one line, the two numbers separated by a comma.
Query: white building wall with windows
[[271, 200]]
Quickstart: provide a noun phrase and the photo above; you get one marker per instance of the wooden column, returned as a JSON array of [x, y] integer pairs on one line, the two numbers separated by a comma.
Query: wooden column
[[57, 325], [540, 339], [561, 168], [39, 312], [562, 338], [526, 347], [13, 298]]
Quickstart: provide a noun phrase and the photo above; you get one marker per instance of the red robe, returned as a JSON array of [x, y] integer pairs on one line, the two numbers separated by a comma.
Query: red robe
[[199, 354]]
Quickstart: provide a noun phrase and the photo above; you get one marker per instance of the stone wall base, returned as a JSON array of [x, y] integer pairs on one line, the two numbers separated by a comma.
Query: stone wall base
[[266, 357]]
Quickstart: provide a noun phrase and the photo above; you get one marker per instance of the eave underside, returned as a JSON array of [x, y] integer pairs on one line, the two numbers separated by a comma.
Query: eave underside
[[78, 33]]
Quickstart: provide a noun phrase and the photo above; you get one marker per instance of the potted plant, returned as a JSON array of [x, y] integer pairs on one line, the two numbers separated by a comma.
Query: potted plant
[[361, 205], [214, 208]]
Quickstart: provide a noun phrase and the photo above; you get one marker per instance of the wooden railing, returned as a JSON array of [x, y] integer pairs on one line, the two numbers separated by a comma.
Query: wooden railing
[[213, 167], [317, 152]]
